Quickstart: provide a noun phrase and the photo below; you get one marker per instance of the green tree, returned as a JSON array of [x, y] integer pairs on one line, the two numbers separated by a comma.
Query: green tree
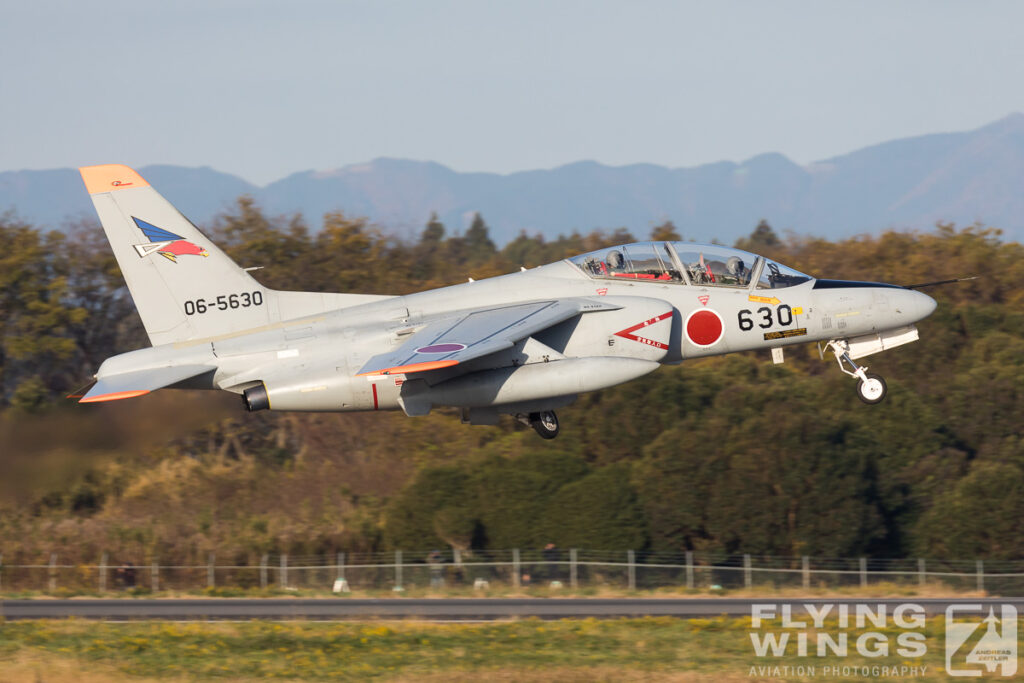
[[666, 232], [762, 240], [527, 251], [977, 518], [350, 256], [434, 510], [740, 474], [511, 495], [35, 316], [433, 233], [280, 248], [599, 511], [427, 257], [479, 247]]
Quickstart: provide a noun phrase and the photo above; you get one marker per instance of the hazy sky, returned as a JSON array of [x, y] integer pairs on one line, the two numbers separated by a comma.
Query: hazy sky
[[263, 89]]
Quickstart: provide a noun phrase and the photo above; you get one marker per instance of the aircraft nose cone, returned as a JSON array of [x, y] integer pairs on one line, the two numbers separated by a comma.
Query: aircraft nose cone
[[915, 305]]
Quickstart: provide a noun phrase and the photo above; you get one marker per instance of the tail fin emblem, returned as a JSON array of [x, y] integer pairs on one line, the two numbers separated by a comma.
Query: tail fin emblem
[[165, 243]]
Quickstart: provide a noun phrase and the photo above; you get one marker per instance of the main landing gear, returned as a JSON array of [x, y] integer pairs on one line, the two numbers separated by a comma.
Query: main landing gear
[[544, 423], [870, 387]]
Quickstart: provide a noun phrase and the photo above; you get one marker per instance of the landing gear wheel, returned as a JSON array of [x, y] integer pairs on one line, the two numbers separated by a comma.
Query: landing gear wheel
[[871, 389], [545, 423]]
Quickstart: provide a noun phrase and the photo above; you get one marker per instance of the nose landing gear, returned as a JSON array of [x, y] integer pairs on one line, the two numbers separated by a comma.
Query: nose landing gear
[[871, 388], [544, 423]]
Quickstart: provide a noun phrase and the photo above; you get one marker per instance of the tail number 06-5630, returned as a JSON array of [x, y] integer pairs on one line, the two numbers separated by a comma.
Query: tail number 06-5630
[[224, 302], [765, 317]]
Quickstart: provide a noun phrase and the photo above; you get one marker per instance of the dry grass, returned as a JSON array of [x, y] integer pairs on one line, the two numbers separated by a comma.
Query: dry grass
[[573, 675], [651, 649], [36, 667]]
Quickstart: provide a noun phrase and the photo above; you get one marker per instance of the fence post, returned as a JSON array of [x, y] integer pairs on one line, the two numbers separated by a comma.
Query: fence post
[[103, 572], [806, 571], [283, 574], [689, 569], [981, 575], [572, 568], [339, 566], [863, 572], [154, 576], [920, 571], [747, 578], [210, 578], [263, 570], [398, 570], [631, 560], [516, 568], [53, 572]]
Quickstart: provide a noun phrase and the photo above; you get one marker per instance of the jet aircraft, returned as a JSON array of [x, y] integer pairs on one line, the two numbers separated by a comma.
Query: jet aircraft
[[523, 344]]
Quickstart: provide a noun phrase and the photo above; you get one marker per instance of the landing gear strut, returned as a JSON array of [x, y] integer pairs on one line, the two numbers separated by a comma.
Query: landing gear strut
[[544, 423], [870, 387]]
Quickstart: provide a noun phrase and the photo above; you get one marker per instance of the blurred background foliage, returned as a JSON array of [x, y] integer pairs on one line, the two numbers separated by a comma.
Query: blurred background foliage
[[729, 454]]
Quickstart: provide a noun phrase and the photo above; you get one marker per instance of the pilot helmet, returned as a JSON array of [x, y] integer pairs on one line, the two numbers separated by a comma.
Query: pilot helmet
[[735, 266]]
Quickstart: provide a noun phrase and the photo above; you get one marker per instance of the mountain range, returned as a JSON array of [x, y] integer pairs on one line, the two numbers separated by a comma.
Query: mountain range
[[910, 183]]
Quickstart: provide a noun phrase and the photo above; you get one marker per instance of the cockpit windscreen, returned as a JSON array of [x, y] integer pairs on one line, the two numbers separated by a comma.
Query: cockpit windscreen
[[703, 265], [716, 266], [775, 276], [640, 261]]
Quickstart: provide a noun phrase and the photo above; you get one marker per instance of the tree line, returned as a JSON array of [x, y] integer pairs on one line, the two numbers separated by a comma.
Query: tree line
[[729, 454]]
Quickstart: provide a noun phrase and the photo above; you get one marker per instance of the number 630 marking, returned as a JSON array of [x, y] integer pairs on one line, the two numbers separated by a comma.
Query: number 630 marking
[[784, 315]]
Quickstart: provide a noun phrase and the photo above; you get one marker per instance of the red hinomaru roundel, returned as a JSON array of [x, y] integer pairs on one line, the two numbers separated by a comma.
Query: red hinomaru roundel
[[704, 327]]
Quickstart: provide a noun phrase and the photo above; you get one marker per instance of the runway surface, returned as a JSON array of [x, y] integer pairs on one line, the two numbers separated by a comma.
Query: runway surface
[[462, 609]]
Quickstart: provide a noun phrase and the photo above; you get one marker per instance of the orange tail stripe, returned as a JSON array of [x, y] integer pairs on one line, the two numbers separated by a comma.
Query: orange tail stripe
[[110, 177]]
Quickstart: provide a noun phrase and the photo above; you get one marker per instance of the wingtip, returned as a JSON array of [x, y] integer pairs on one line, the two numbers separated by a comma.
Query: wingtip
[[116, 396], [82, 390], [110, 177]]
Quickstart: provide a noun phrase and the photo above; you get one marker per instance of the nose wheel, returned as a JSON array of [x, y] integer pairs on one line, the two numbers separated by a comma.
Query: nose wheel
[[871, 388], [544, 423]]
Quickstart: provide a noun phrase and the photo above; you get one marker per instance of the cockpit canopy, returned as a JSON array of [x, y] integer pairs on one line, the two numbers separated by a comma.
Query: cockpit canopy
[[705, 265]]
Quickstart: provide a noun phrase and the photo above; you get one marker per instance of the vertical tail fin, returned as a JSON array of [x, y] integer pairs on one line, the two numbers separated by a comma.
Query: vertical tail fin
[[183, 285]]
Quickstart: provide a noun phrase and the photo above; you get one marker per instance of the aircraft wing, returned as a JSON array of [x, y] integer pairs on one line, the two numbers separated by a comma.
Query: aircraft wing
[[132, 384], [475, 333]]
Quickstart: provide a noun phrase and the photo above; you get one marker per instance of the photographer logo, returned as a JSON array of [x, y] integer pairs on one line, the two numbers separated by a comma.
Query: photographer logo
[[976, 645]]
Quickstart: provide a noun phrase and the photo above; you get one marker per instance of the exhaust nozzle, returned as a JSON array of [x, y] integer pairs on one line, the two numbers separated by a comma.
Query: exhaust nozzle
[[256, 398]]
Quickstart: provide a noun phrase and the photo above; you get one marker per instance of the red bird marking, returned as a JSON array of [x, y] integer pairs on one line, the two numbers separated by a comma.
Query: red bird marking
[[182, 248]]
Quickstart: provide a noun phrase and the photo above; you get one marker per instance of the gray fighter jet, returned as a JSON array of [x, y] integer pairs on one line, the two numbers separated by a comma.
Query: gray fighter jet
[[522, 344]]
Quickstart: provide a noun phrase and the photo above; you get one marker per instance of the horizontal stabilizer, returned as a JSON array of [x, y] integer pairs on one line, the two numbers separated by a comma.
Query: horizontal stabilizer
[[139, 382]]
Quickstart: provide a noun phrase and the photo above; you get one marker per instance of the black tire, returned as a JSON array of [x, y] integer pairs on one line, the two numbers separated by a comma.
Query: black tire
[[545, 424], [871, 392]]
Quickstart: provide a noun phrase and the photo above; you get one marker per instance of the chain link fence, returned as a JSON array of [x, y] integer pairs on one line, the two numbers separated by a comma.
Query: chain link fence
[[513, 570]]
